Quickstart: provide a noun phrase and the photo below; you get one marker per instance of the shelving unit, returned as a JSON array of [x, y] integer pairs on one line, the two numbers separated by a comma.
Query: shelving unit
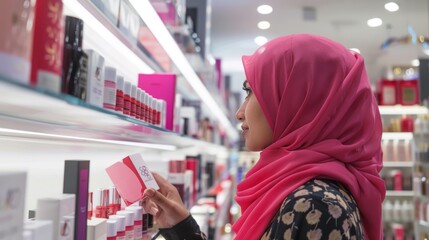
[[40, 129]]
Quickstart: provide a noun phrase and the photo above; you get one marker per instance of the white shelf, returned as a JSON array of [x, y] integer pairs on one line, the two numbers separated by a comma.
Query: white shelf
[[397, 136], [401, 110], [399, 193], [398, 164], [33, 113]]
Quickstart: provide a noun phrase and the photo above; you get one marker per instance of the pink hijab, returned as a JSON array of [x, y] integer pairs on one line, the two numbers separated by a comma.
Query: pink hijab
[[316, 97]]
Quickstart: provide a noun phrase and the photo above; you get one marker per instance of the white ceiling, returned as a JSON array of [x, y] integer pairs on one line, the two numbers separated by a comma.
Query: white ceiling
[[234, 25]]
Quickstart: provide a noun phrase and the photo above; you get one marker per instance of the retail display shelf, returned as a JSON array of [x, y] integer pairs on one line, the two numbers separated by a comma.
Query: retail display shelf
[[398, 164], [33, 113], [397, 136], [399, 193], [401, 110], [105, 38]]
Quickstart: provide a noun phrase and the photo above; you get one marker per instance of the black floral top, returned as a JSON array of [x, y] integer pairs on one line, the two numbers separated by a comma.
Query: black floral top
[[319, 209]]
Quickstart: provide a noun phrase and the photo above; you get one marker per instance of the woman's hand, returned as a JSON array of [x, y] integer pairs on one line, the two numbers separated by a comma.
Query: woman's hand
[[165, 205]]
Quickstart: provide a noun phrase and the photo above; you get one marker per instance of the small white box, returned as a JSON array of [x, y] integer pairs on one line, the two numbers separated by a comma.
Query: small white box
[[12, 199], [61, 212], [95, 78], [97, 229], [40, 229]]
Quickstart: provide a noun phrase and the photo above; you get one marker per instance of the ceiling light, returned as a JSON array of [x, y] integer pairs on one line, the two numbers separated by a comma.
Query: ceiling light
[[264, 25], [374, 22], [355, 50], [415, 63], [260, 40], [265, 9], [391, 7]]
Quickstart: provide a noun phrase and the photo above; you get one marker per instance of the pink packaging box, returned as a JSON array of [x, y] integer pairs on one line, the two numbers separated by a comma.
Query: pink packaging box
[[161, 86], [131, 177]]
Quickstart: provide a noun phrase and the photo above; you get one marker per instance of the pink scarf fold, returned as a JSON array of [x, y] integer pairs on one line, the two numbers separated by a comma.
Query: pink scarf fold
[[316, 97]]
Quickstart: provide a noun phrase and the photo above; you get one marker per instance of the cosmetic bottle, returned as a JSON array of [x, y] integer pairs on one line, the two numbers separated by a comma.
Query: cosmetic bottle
[[138, 215], [120, 226], [138, 104], [407, 124], [102, 208], [73, 56], [176, 175], [114, 201], [109, 95], [47, 51], [111, 229], [389, 92], [133, 100], [143, 105], [129, 223], [16, 27], [119, 93], [158, 113], [149, 109], [127, 98]]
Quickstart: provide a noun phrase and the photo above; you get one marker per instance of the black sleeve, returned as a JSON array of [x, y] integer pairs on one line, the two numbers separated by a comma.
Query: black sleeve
[[187, 229]]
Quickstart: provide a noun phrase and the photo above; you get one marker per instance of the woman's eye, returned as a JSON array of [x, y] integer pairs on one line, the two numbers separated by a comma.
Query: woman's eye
[[247, 90]]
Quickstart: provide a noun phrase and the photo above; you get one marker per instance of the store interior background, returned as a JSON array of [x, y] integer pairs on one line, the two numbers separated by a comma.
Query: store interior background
[[234, 28], [230, 32]]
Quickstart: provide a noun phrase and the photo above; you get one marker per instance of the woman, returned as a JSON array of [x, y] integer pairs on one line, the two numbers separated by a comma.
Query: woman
[[311, 112]]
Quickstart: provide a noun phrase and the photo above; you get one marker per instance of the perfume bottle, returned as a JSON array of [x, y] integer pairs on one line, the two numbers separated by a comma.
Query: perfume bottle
[[73, 58]]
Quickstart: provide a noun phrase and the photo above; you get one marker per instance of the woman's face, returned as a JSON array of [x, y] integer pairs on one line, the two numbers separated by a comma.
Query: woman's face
[[256, 130]]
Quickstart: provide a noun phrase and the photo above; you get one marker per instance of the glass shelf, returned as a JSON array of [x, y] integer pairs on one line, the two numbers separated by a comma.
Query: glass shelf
[[31, 112], [401, 110], [398, 164], [390, 193]]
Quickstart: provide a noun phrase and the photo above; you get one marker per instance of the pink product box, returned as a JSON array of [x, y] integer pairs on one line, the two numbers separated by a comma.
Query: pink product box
[[166, 11], [131, 177], [161, 86]]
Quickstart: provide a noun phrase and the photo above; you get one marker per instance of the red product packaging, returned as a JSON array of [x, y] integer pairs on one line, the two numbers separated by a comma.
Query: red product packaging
[[408, 93], [388, 92], [47, 51], [131, 177]]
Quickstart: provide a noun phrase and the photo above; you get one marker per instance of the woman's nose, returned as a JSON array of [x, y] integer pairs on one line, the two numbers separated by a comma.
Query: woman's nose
[[239, 115]]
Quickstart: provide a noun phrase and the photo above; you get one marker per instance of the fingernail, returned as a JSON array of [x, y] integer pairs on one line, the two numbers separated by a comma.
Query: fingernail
[[149, 192], [154, 210]]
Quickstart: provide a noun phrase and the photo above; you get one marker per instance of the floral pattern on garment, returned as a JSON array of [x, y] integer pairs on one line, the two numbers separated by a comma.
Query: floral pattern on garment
[[319, 209]]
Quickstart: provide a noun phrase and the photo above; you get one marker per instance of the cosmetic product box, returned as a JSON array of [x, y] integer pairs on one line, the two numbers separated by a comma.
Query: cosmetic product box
[[12, 201], [176, 176], [161, 86], [188, 123], [40, 229], [60, 210], [167, 12], [76, 181], [48, 45], [110, 9], [95, 78], [97, 229], [15, 55], [129, 21], [131, 177]]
